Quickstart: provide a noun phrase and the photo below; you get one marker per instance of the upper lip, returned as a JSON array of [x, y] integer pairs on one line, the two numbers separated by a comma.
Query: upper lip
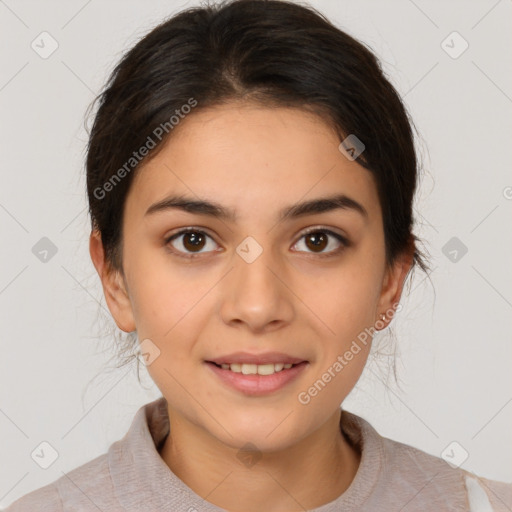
[[263, 358]]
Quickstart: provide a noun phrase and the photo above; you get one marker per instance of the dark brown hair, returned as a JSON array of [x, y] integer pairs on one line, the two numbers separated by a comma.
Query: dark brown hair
[[275, 53]]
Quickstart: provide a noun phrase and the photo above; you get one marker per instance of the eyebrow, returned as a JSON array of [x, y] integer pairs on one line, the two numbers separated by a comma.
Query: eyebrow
[[216, 210]]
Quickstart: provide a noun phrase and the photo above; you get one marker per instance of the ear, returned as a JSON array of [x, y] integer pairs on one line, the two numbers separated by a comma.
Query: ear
[[114, 286], [393, 284]]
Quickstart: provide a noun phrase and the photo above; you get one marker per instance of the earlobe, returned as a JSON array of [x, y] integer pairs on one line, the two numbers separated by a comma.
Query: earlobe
[[392, 287], [114, 287]]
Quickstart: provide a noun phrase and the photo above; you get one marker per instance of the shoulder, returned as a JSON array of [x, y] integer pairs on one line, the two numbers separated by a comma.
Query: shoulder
[[87, 487], [452, 485], [493, 494], [111, 479], [409, 479], [45, 499]]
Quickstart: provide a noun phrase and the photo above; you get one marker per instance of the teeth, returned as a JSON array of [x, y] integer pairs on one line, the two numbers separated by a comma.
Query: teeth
[[249, 369], [253, 369]]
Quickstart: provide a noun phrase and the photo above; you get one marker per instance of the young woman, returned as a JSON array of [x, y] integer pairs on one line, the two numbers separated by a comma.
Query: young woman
[[251, 175]]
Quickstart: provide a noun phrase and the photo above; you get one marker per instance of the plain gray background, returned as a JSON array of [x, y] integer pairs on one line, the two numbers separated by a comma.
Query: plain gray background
[[455, 349]]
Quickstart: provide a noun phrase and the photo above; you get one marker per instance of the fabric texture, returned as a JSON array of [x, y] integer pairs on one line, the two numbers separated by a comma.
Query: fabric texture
[[392, 477]]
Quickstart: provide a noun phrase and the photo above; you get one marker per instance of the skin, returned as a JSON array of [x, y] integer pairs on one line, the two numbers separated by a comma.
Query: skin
[[256, 161]]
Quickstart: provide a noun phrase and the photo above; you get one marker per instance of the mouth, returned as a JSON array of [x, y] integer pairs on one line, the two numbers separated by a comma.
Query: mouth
[[255, 369], [256, 379]]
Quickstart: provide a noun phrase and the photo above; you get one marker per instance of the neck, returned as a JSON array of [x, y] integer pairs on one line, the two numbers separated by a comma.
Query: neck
[[307, 475]]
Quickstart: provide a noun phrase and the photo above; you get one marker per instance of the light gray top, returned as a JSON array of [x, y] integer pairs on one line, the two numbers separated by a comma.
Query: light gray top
[[392, 476]]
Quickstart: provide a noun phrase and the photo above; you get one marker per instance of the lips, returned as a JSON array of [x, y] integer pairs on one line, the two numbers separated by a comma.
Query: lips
[[251, 380]]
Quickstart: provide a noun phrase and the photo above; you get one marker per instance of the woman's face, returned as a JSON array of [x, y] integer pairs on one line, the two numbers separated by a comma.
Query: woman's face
[[252, 281]]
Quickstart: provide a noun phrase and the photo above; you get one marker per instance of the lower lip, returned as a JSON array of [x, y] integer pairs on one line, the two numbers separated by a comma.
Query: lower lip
[[258, 385]]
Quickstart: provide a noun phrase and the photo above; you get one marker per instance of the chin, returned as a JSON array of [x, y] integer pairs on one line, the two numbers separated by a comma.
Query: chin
[[267, 435]]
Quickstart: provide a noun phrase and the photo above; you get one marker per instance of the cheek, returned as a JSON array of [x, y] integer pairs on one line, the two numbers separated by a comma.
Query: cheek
[[345, 299], [162, 295], [346, 305], [336, 374]]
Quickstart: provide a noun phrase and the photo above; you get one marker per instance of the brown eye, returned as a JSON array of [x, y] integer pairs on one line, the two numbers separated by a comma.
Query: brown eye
[[193, 241], [316, 241], [189, 242]]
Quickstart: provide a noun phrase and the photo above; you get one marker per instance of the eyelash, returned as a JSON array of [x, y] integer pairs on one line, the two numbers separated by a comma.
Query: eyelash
[[344, 242]]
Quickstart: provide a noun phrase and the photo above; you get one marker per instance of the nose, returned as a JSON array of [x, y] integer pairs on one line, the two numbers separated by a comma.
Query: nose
[[256, 294]]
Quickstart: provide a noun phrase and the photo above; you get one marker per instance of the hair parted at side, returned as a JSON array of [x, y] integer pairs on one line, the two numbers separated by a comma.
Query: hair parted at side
[[273, 53]]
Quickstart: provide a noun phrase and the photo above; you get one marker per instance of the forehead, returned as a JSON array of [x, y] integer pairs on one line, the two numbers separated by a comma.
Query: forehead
[[251, 158]]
